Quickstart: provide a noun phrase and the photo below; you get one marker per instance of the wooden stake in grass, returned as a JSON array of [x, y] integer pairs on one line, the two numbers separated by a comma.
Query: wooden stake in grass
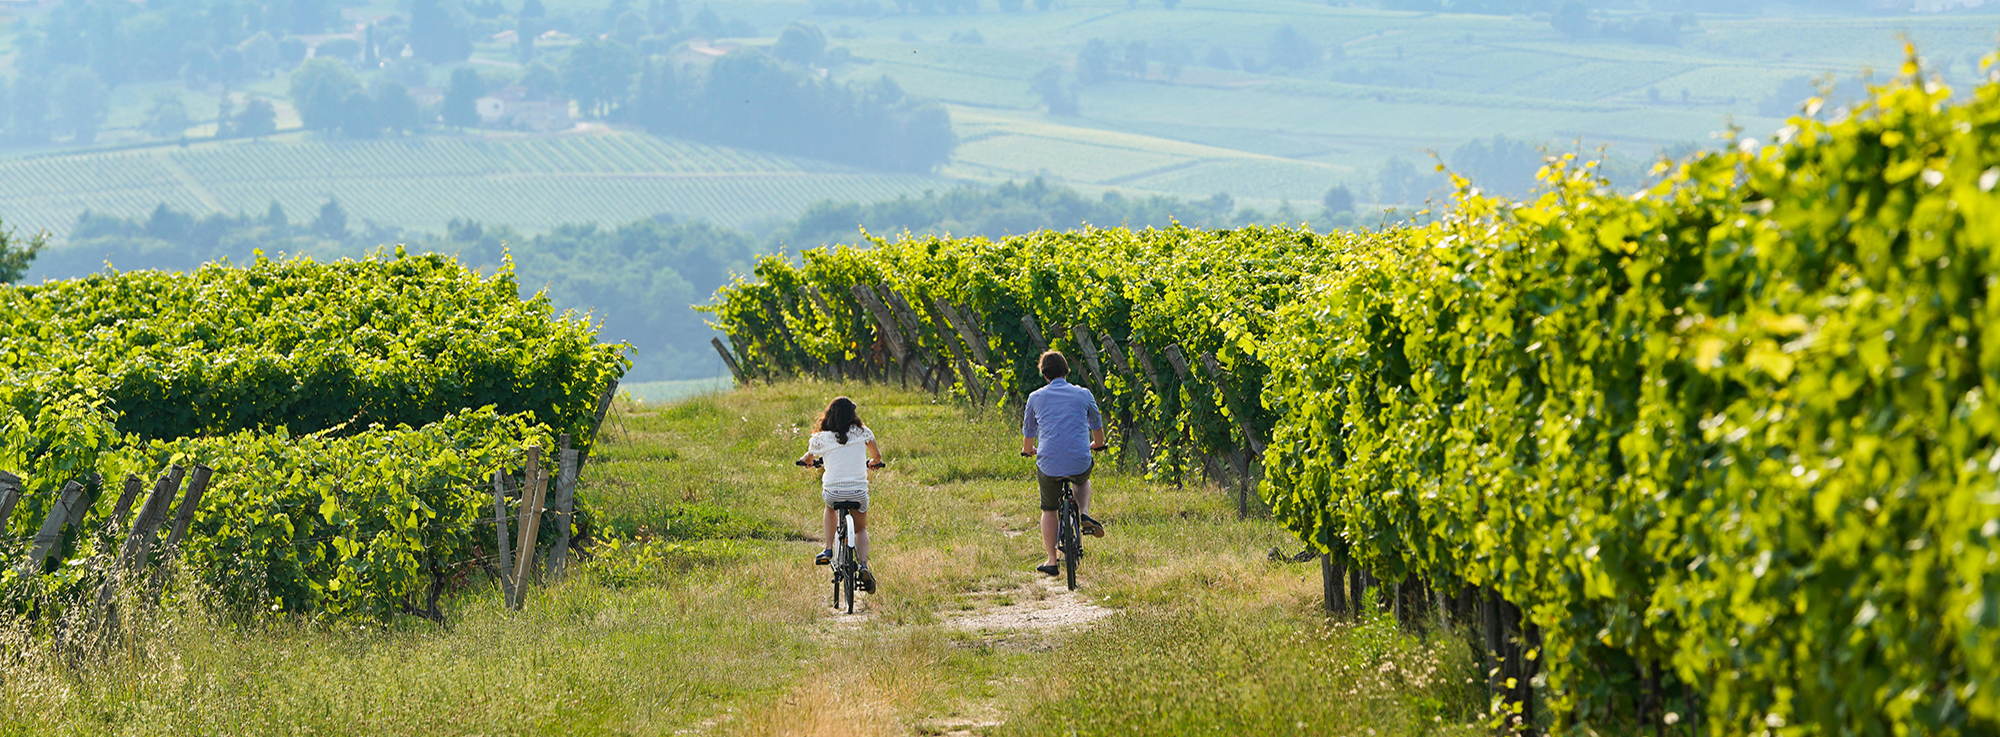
[[565, 500], [1089, 348], [531, 522], [10, 494], [506, 563], [51, 532], [730, 361], [1034, 335]]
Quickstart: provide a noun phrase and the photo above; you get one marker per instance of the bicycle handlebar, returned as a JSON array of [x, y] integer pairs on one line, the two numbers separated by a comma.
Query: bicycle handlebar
[[821, 463]]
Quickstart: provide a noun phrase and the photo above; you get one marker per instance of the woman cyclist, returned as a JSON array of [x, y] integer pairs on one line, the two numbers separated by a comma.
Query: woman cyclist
[[838, 446]]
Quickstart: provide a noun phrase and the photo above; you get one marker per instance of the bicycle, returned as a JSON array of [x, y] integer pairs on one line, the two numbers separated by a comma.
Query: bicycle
[[1069, 537], [1069, 527], [846, 567]]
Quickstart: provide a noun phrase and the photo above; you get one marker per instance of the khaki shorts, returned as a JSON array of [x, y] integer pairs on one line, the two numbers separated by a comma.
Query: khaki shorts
[[1052, 488]]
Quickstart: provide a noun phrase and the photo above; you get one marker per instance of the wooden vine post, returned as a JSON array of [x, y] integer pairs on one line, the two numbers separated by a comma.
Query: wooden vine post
[[130, 495], [730, 361], [530, 523], [505, 564], [1034, 335], [52, 526], [1136, 440], [914, 327], [10, 495], [1333, 588], [569, 464], [1089, 349], [885, 325], [184, 516], [1240, 458], [973, 386], [778, 319]]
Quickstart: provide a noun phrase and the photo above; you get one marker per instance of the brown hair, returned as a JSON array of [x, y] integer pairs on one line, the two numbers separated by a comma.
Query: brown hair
[[1054, 366], [839, 417]]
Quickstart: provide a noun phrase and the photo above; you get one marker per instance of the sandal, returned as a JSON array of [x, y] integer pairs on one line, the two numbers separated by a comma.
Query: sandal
[[1092, 527], [1050, 569]]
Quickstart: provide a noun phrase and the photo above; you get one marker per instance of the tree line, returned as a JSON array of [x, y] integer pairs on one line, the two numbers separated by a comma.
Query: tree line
[[638, 277]]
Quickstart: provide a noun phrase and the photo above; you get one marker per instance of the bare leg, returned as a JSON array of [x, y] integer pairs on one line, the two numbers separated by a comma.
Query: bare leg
[[861, 537], [827, 525], [1049, 536], [1082, 491]]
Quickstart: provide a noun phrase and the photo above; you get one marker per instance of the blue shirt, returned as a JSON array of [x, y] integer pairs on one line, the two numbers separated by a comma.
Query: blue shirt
[[1060, 417]]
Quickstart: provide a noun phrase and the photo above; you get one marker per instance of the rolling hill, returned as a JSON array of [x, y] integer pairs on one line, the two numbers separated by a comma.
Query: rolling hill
[[593, 174]]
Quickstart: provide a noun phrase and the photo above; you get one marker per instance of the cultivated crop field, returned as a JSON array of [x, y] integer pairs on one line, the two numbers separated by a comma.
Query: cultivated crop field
[[533, 183]]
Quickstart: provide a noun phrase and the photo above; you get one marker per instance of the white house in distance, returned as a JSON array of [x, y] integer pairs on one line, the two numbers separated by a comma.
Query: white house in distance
[[516, 107]]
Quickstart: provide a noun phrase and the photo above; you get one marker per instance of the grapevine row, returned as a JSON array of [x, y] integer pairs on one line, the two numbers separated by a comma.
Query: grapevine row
[[1726, 448]]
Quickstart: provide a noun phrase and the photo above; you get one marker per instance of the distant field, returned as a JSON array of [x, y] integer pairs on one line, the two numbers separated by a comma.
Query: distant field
[[1397, 84], [532, 183]]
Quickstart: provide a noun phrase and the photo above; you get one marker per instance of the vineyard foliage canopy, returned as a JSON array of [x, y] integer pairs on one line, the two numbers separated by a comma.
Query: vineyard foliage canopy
[[353, 412], [1727, 442]]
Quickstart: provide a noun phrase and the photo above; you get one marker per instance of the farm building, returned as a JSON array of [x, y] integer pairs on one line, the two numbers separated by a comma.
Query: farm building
[[516, 107]]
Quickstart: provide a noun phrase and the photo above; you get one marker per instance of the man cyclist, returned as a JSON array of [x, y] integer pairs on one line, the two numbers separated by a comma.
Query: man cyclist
[[1063, 419]]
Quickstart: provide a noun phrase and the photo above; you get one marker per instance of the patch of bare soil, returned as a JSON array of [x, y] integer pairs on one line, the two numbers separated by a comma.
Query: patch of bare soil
[[1043, 605]]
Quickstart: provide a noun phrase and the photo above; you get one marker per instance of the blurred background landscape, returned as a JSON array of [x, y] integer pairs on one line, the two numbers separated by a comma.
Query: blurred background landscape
[[630, 155]]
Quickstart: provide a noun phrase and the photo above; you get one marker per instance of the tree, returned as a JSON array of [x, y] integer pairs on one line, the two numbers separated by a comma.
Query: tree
[[16, 254], [1093, 63], [1135, 61], [260, 53], [1292, 50], [1402, 183], [320, 88], [394, 109], [80, 101], [436, 35], [664, 15], [259, 118], [1338, 199], [1219, 58], [629, 28], [800, 43], [1572, 20], [598, 74], [169, 116], [1048, 83], [274, 217], [358, 118], [1500, 165], [461, 99], [542, 79], [332, 220]]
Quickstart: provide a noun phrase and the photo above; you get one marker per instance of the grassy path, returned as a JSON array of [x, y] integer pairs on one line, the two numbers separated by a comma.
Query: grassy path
[[1182, 623], [707, 617]]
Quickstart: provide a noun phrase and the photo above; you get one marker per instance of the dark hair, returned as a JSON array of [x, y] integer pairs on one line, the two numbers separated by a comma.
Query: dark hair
[[839, 417], [1054, 366]]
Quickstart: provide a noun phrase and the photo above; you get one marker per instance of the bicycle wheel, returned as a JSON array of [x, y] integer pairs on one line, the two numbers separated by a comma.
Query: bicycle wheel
[[1067, 538], [839, 572], [847, 583]]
